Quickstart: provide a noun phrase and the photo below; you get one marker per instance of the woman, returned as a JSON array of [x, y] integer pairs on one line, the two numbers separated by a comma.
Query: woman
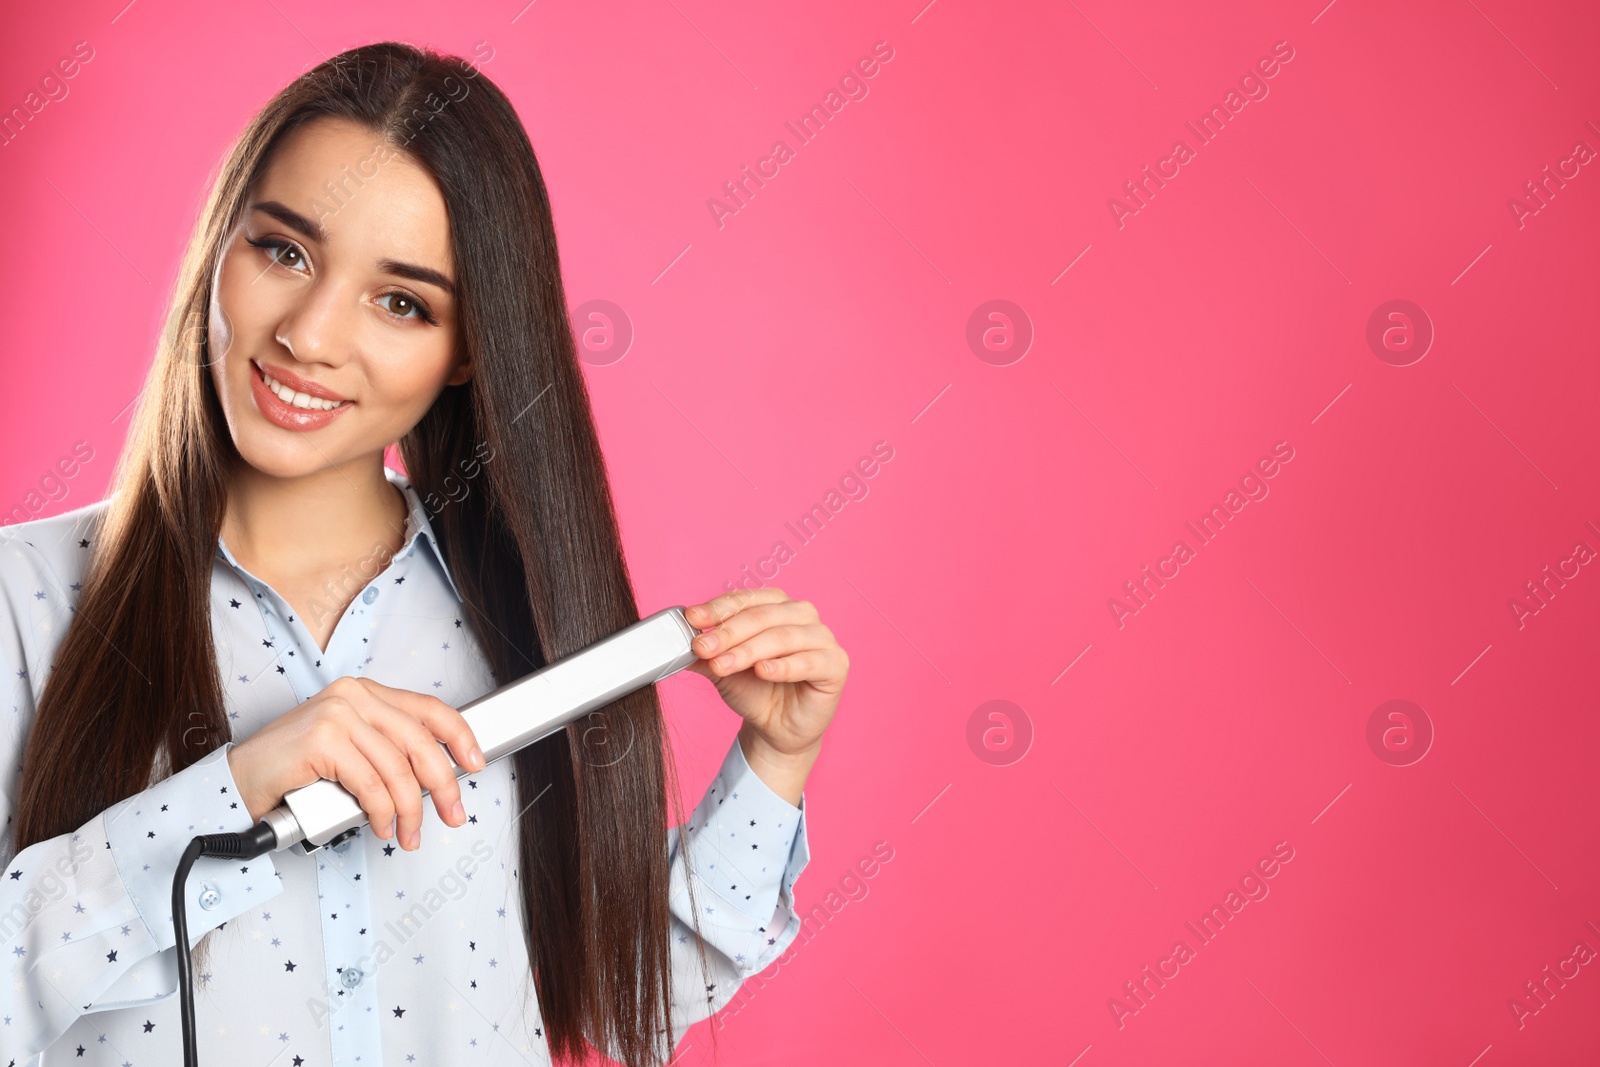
[[262, 602]]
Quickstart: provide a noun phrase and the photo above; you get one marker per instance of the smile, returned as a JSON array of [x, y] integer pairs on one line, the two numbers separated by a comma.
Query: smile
[[293, 409], [299, 400]]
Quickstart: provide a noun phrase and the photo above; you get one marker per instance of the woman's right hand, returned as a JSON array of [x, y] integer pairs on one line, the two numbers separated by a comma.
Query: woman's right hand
[[377, 742]]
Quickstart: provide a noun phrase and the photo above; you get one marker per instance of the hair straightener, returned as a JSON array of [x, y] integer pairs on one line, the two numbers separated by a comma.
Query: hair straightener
[[508, 719]]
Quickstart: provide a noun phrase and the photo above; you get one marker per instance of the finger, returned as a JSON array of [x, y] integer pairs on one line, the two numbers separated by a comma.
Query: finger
[[771, 642], [747, 623], [725, 606], [405, 792], [341, 761], [428, 763], [445, 722], [820, 667]]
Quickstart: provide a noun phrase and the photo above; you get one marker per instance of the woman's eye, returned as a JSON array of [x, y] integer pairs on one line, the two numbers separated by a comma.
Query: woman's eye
[[281, 252], [404, 307]]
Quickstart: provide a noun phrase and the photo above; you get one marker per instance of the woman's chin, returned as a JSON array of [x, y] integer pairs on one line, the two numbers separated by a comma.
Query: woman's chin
[[282, 454]]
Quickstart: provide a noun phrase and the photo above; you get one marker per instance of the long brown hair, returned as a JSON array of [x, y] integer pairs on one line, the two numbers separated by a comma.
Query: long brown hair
[[534, 549]]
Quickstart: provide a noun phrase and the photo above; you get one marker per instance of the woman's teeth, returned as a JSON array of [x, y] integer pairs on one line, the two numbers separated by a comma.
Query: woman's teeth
[[299, 400]]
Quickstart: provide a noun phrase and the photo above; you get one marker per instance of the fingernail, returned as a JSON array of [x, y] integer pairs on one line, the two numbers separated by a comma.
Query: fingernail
[[708, 643], [475, 758], [457, 813], [414, 840]]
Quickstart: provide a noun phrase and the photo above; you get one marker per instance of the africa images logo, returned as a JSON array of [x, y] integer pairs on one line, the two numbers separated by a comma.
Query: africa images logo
[[1253, 87]]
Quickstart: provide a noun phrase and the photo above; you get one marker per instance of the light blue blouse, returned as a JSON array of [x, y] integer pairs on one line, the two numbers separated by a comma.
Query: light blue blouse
[[360, 954]]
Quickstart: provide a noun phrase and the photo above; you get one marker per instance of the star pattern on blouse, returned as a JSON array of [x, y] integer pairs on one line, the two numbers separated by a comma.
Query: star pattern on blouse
[[346, 909]]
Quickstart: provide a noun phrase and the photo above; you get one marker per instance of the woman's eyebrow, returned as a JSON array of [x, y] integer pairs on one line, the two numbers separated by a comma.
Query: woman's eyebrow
[[313, 229], [293, 219], [417, 274]]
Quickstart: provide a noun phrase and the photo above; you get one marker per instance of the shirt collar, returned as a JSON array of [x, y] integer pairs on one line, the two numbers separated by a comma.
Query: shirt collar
[[417, 526]]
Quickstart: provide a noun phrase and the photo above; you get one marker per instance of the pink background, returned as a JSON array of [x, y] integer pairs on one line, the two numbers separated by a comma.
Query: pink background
[[1230, 313]]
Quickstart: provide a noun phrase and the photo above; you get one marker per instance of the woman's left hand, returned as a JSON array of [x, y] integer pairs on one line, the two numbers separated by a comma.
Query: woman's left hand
[[775, 663]]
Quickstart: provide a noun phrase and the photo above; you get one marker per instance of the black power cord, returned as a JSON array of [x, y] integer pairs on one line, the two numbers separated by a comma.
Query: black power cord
[[256, 841]]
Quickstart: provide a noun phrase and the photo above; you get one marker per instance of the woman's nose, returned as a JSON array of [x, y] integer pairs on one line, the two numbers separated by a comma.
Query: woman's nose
[[317, 328]]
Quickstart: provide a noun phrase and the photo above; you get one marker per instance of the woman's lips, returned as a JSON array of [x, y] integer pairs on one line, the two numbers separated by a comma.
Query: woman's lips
[[288, 378], [287, 415]]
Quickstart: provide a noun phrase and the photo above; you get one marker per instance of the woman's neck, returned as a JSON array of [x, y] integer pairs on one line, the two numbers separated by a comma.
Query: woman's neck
[[300, 534]]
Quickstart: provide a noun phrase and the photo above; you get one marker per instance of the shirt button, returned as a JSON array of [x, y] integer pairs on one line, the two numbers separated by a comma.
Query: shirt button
[[351, 977], [370, 595], [209, 896]]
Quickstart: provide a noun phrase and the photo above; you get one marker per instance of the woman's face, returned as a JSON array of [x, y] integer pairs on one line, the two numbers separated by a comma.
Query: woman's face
[[336, 283]]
